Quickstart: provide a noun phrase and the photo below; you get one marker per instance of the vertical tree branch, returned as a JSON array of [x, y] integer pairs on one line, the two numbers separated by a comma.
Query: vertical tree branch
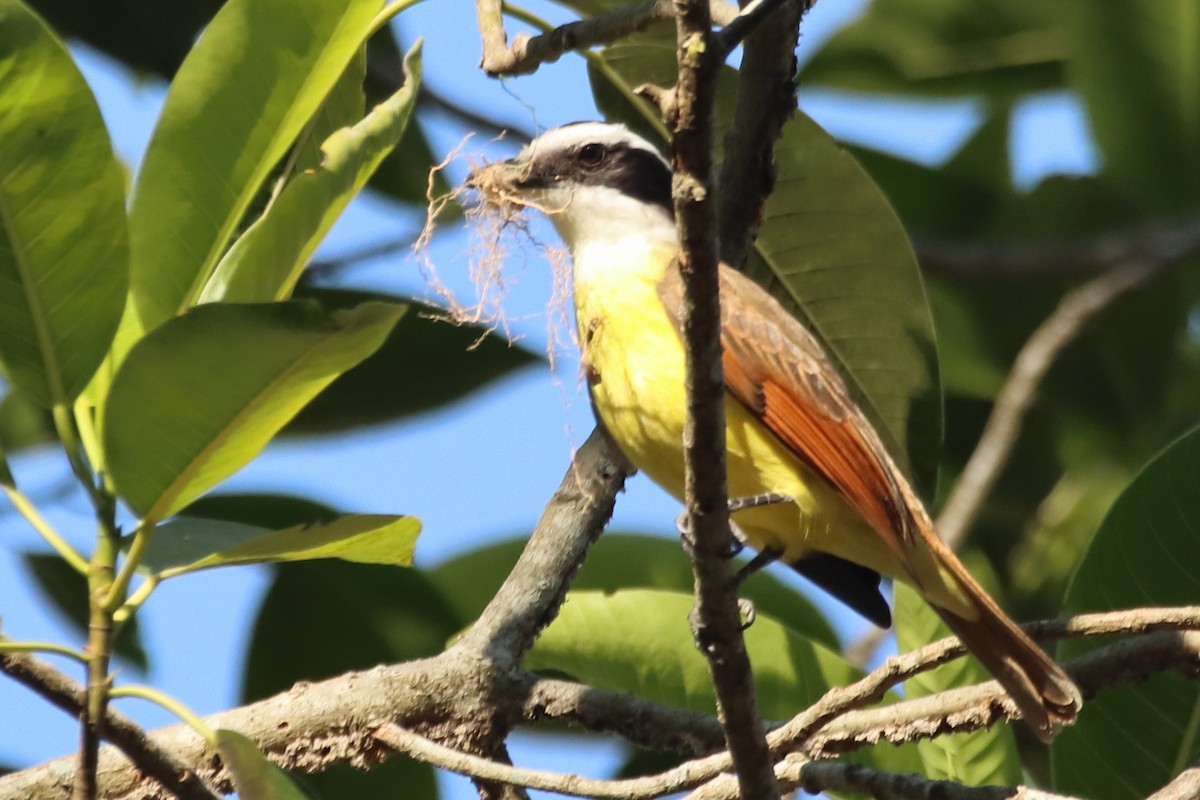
[[766, 99], [718, 622]]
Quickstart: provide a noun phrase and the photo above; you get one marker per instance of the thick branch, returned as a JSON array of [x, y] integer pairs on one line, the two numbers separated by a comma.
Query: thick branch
[[530, 597], [1000, 433], [315, 725]]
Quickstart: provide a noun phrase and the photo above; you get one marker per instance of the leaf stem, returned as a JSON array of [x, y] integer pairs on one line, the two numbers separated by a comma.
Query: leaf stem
[[135, 600], [164, 700], [115, 598], [389, 11], [29, 511], [7, 646]]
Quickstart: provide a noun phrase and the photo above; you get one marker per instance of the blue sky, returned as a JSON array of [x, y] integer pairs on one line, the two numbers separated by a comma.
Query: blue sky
[[476, 471]]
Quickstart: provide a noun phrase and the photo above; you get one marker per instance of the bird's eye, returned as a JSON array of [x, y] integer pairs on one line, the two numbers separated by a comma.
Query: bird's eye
[[592, 154]]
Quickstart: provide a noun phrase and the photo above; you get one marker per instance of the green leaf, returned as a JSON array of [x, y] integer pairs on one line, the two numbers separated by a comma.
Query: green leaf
[[325, 618], [1137, 66], [622, 561], [382, 388], [832, 250], [940, 47], [202, 394], [398, 777], [254, 777], [255, 78], [638, 641], [1129, 741], [266, 262], [67, 591], [64, 248], [23, 423], [268, 511], [979, 758], [190, 544]]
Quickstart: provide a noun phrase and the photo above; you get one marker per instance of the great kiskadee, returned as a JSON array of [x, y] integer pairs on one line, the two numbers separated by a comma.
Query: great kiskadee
[[792, 427]]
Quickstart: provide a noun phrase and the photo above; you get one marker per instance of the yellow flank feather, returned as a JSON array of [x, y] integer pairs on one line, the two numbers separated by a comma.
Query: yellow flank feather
[[636, 362]]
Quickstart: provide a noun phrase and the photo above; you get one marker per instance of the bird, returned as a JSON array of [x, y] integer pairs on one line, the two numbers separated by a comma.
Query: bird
[[843, 512]]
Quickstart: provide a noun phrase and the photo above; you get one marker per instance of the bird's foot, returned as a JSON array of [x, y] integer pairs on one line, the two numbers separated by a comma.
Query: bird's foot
[[756, 500], [687, 537]]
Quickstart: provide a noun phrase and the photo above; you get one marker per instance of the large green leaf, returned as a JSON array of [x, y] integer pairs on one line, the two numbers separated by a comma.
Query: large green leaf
[[832, 250], [638, 641], [978, 758], [64, 248], [265, 263], [204, 393], [190, 544], [67, 591], [324, 618], [465, 358], [622, 561], [1137, 65], [1129, 741], [256, 77], [939, 47]]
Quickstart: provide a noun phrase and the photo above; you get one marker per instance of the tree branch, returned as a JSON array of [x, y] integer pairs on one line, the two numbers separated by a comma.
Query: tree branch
[[527, 53], [716, 618], [312, 726], [149, 758], [749, 20], [1158, 243], [1029, 369], [766, 99], [467, 697]]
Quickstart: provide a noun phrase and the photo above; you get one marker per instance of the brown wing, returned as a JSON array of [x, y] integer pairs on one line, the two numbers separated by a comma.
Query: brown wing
[[775, 367]]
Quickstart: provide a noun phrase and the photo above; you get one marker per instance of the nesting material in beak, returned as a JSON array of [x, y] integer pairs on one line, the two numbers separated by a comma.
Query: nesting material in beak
[[500, 183]]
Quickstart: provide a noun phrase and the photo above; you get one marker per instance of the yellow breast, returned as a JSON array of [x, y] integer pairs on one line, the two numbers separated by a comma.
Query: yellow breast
[[635, 362]]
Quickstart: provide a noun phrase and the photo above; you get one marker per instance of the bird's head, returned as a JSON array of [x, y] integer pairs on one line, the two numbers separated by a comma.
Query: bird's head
[[591, 178]]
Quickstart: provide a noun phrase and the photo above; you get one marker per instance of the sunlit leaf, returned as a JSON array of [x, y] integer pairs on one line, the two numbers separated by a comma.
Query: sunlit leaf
[[623, 561], [977, 758], [190, 544], [1131, 740], [386, 386], [255, 78], [265, 263], [64, 246], [639, 641], [205, 392]]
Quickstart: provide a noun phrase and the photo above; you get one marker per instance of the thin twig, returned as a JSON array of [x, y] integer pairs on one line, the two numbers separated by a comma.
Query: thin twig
[[147, 755], [1031, 365], [766, 99], [527, 53], [1158, 242], [752, 15], [1185, 786]]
